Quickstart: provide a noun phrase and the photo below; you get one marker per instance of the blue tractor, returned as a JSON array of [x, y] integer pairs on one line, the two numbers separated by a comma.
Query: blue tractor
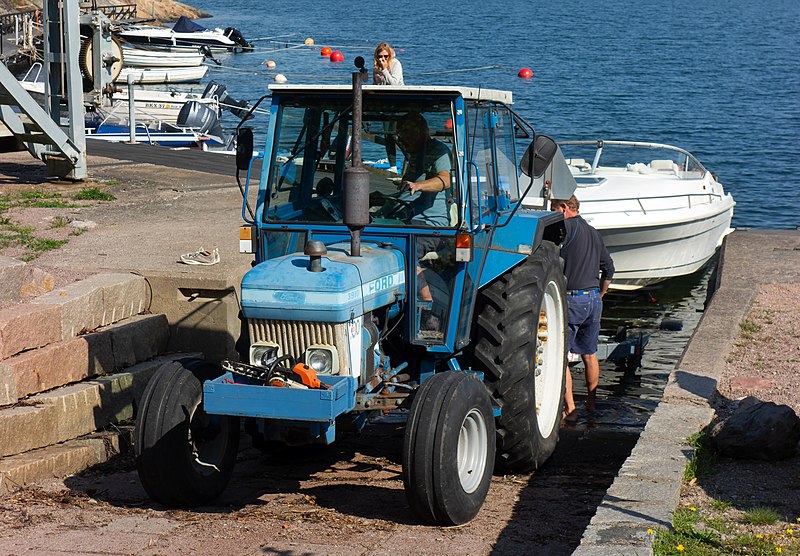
[[395, 269]]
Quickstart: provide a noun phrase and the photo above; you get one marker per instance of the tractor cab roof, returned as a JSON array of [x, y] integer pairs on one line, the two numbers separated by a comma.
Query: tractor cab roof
[[470, 93]]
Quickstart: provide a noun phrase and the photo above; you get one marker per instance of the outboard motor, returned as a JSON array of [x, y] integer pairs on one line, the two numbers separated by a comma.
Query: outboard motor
[[236, 36], [236, 107], [202, 119], [205, 50]]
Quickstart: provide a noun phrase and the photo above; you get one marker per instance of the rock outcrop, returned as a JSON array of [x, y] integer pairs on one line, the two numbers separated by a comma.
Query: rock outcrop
[[757, 430], [160, 10]]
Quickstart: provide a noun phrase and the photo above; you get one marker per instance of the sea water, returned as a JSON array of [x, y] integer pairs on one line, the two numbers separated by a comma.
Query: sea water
[[718, 78]]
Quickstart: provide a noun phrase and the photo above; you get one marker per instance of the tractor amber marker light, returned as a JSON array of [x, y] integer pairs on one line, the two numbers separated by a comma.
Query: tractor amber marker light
[[463, 248], [246, 239]]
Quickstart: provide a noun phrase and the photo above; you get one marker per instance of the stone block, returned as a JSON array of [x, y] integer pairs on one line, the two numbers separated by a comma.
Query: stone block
[[673, 423], [77, 407], [655, 461], [649, 492], [62, 363], [616, 550], [27, 326], [60, 460], [81, 306], [8, 386], [622, 538], [26, 427], [11, 273], [124, 295], [97, 301], [635, 516], [137, 339], [19, 280]]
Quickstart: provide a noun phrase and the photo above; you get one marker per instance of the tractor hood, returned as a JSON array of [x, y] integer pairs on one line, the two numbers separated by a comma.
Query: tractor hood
[[284, 289]]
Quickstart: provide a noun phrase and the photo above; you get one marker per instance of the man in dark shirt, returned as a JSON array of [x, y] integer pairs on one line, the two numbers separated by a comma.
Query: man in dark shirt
[[588, 268]]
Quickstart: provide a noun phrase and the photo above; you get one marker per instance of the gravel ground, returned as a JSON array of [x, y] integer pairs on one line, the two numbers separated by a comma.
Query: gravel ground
[[763, 364]]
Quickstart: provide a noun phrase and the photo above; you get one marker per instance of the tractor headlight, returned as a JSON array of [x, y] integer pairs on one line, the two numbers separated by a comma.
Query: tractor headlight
[[323, 359], [263, 353]]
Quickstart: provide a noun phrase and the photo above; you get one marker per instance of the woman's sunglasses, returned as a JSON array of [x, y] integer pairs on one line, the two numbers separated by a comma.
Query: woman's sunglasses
[[383, 55]]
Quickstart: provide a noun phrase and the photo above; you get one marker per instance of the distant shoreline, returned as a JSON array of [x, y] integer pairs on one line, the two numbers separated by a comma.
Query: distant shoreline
[[160, 10]]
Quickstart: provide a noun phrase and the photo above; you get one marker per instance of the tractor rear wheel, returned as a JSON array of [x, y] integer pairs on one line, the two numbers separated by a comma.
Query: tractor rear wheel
[[184, 456], [448, 452], [522, 347]]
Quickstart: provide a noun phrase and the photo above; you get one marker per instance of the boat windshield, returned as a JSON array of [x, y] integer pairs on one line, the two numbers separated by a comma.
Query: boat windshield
[[587, 158], [401, 141]]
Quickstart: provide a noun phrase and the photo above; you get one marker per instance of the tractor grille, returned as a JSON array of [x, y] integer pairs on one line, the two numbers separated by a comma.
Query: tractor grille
[[294, 338]]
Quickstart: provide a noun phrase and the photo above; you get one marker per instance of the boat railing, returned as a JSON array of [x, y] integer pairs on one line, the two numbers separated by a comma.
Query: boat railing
[[692, 200], [689, 162]]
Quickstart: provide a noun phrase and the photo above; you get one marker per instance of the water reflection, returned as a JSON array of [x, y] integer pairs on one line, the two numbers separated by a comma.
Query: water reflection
[[626, 398]]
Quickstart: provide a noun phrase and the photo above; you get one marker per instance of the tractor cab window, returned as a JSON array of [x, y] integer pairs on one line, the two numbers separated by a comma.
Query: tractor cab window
[[494, 186], [407, 147]]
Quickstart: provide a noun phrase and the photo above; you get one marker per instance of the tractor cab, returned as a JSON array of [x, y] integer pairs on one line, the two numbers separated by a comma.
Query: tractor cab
[[460, 144]]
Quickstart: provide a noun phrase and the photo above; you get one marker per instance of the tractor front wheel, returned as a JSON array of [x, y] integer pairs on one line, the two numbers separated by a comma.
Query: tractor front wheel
[[184, 456], [448, 452]]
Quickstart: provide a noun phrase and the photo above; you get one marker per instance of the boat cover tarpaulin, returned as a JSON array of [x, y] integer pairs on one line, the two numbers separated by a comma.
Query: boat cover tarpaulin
[[186, 25]]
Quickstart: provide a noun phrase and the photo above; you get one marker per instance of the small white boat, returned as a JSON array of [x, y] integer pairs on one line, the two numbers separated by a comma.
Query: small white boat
[[660, 212], [163, 75], [186, 32], [142, 58]]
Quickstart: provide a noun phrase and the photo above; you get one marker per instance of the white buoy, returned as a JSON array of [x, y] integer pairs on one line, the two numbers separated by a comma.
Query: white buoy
[[280, 78], [309, 42], [270, 64]]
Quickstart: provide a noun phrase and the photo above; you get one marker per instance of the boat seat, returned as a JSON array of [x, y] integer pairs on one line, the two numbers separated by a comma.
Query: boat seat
[[579, 163], [664, 166]]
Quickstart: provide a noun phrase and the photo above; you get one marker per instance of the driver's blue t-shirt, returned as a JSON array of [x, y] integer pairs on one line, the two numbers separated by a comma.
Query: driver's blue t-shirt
[[430, 208]]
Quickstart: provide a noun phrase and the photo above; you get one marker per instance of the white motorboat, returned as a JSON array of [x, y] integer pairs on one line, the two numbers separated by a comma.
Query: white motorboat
[[161, 106], [142, 58], [163, 75], [660, 212], [186, 32]]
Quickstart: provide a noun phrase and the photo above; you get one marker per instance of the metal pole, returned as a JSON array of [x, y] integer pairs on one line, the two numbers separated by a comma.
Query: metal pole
[[74, 86], [131, 110], [357, 111], [356, 178]]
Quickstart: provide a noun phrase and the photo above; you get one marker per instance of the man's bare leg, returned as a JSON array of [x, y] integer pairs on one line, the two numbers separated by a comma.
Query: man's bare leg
[[569, 401], [592, 372]]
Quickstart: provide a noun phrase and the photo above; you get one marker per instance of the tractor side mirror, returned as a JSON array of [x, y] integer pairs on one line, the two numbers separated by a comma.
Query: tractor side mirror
[[244, 147], [538, 156]]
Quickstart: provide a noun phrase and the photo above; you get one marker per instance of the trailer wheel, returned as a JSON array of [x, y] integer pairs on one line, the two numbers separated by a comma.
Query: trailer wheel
[[522, 347], [184, 456], [448, 451]]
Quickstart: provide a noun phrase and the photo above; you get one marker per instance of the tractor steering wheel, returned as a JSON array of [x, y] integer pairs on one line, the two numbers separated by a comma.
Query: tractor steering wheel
[[391, 206]]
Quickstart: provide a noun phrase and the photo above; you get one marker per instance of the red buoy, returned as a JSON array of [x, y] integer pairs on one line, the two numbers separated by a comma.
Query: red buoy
[[326, 51], [525, 73], [337, 56]]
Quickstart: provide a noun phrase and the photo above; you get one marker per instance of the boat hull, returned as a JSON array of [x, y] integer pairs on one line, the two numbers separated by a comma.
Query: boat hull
[[646, 255], [163, 75], [141, 58], [164, 37]]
